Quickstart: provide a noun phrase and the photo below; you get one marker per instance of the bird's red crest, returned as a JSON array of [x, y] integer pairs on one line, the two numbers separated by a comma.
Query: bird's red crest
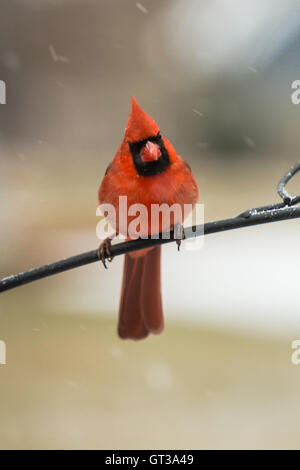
[[140, 125]]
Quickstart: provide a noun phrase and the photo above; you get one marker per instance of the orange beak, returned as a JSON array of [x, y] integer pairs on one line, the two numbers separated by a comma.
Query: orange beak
[[150, 152]]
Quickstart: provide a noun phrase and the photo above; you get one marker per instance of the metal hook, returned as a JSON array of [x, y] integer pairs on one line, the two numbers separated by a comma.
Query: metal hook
[[288, 200], [286, 197]]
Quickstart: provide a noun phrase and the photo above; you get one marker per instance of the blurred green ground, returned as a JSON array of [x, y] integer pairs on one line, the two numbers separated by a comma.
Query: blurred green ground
[[70, 383]]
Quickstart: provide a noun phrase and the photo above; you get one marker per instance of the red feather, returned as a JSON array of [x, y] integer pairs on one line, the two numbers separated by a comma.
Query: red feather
[[141, 305]]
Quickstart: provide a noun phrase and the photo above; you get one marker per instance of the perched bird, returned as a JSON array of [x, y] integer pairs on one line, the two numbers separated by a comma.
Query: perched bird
[[148, 171]]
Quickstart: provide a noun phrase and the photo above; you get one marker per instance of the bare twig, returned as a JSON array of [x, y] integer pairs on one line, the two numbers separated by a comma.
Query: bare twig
[[285, 210]]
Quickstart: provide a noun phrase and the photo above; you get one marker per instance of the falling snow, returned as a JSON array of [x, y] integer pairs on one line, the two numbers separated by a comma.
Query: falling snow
[[202, 145], [142, 8], [252, 69], [117, 353], [159, 376], [56, 57], [248, 141], [11, 61], [197, 112]]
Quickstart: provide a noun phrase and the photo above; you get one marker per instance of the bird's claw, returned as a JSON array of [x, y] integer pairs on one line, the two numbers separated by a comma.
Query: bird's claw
[[104, 252], [179, 235]]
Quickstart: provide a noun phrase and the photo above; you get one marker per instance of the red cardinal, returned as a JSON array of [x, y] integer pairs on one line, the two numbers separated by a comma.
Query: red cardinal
[[148, 171]]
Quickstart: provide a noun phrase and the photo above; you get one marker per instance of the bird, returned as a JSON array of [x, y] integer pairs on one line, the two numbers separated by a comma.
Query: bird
[[147, 170]]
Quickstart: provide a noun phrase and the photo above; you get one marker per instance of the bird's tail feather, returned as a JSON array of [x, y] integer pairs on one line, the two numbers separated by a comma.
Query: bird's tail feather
[[140, 310]]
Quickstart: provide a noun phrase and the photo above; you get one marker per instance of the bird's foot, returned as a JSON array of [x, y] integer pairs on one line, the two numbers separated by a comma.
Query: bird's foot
[[104, 252], [179, 235]]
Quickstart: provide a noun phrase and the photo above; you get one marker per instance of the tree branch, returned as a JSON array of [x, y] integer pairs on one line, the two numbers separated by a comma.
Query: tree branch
[[285, 210]]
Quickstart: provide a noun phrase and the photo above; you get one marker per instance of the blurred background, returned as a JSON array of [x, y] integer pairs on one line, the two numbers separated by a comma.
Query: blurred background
[[216, 76]]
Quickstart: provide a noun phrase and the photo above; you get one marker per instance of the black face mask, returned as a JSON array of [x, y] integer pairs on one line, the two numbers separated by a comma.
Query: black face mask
[[149, 168]]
